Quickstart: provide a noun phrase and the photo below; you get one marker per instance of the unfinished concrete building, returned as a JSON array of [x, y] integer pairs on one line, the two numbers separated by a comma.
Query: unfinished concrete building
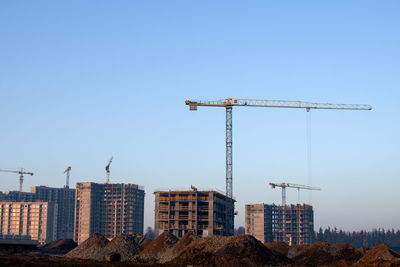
[[65, 199], [205, 212], [293, 224], [109, 209], [34, 219], [16, 196]]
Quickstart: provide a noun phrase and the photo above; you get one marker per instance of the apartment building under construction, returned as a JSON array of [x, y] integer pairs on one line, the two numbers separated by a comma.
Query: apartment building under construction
[[65, 199], [109, 209], [34, 219], [206, 212], [293, 224]]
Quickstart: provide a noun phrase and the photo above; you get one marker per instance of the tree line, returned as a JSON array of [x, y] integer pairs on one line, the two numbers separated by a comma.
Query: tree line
[[361, 238]]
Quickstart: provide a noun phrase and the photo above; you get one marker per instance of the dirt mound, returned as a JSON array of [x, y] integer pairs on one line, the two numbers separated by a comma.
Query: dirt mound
[[322, 253], [380, 255], [122, 244], [185, 241], [90, 248], [59, 246], [280, 248], [154, 251], [145, 243], [241, 250], [297, 250]]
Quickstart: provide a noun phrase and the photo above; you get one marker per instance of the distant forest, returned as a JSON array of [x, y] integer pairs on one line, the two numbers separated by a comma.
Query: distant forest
[[361, 238]]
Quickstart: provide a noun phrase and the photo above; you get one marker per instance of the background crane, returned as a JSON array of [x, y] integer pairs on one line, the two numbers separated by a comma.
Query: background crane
[[229, 103], [67, 170], [283, 186], [108, 171], [21, 178], [298, 186]]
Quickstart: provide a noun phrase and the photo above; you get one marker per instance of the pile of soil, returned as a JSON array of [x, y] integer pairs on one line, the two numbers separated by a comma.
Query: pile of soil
[[297, 250], [90, 248], [155, 250], [280, 248], [380, 255], [123, 244], [61, 246], [181, 245], [321, 253], [97, 247], [145, 243], [240, 250]]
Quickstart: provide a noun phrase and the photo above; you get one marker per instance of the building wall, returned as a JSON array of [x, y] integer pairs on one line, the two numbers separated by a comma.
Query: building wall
[[205, 212], [255, 221], [109, 209], [35, 219], [65, 199], [272, 223]]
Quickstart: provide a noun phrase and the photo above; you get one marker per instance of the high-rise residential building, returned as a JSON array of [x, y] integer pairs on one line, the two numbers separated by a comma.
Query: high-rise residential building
[[293, 224], [34, 219], [206, 212], [65, 199], [109, 209], [16, 196]]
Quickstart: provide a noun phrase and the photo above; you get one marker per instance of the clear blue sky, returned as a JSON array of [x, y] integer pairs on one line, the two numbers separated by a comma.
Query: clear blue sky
[[83, 80]]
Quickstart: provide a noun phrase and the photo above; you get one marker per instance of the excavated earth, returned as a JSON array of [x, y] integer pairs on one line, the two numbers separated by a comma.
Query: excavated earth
[[191, 250], [156, 249], [240, 250]]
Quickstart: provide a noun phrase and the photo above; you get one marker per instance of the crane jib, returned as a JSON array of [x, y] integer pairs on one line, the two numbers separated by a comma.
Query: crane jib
[[228, 103]]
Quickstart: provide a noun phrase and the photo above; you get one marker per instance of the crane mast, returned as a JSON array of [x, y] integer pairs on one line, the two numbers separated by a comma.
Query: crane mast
[[229, 103], [21, 178], [67, 170], [108, 171]]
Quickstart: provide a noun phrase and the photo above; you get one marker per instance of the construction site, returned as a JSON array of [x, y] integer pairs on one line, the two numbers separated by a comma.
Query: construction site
[[206, 212], [192, 250], [192, 227]]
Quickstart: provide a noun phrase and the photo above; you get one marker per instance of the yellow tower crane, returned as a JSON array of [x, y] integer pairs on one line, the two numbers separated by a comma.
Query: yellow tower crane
[[229, 103]]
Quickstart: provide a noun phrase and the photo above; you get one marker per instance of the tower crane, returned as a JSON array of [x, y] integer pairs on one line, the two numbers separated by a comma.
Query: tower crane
[[229, 103], [298, 186], [21, 178], [108, 171], [283, 186], [67, 170]]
